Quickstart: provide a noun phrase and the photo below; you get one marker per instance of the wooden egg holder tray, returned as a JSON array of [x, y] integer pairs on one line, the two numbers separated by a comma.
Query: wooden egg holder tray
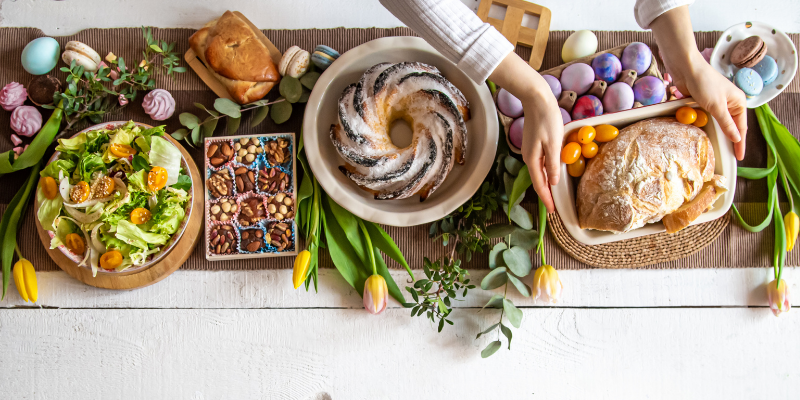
[[556, 72]]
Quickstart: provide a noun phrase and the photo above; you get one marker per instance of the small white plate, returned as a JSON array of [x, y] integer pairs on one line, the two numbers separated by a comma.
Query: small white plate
[[725, 165], [779, 47], [462, 182]]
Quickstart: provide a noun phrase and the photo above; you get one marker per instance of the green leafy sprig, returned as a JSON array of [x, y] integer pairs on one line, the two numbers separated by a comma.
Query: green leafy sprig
[[434, 294]]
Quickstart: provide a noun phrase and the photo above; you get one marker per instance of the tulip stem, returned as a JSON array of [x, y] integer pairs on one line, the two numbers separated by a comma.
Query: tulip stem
[[19, 253], [369, 246]]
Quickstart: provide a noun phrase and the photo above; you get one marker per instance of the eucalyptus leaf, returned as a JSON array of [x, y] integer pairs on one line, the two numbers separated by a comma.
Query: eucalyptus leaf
[[189, 120], [487, 330], [513, 313], [228, 107], [180, 134], [291, 89], [281, 112], [513, 166], [494, 279], [499, 230], [523, 289], [259, 115], [197, 140], [518, 261], [521, 184], [209, 125], [496, 256], [310, 79], [304, 97], [202, 107], [525, 238], [491, 349], [233, 125], [507, 333], [508, 184], [495, 302], [521, 217]]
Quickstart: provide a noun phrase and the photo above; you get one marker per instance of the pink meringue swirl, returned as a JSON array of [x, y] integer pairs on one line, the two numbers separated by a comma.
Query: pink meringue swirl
[[159, 104], [12, 96], [26, 120]]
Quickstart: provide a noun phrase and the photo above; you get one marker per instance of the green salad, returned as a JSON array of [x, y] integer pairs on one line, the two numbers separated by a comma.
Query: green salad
[[114, 197]]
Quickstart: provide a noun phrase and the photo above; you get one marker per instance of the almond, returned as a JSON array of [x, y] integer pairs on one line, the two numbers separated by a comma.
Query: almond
[[212, 149]]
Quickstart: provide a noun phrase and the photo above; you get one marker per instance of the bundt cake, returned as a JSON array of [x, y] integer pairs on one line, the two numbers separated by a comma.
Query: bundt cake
[[434, 108]]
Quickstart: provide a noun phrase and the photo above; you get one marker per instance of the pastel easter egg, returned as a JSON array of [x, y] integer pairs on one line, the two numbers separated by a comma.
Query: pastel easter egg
[[577, 78], [40, 56], [579, 44], [587, 106], [637, 56], [618, 97], [555, 85], [508, 104], [515, 132], [565, 116], [649, 90], [606, 67]]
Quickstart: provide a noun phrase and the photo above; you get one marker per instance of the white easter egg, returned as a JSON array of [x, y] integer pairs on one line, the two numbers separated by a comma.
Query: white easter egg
[[579, 44]]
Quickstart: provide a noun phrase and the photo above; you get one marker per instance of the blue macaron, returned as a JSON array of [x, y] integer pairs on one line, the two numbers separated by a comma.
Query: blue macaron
[[323, 56], [749, 81], [768, 69]]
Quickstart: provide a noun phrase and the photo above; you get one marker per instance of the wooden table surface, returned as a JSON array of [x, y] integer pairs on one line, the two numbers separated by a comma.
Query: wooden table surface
[[656, 334]]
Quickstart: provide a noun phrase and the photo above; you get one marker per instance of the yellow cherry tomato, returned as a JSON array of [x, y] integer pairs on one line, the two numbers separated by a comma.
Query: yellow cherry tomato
[[572, 137], [75, 244], [104, 187], [702, 119], [121, 150], [157, 178], [586, 134], [49, 187], [576, 169], [589, 150], [606, 133], [686, 115], [140, 216], [111, 259], [80, 192], [570, 153]]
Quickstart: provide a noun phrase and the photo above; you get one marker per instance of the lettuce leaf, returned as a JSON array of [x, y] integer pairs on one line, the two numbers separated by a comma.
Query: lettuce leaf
[[85, 142], [52, 169], [122, 135], [88, 164], [133, 235], [49, 210], [164, 154], [123, 212], [137, 182], [63, 228], [169, 218]]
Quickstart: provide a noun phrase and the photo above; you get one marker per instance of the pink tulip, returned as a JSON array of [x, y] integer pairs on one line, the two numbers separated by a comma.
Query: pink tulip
[[778, 295], [376, 294]]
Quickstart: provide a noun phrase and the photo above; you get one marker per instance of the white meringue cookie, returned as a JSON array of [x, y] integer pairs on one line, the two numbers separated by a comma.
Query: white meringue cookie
[[159, 104]]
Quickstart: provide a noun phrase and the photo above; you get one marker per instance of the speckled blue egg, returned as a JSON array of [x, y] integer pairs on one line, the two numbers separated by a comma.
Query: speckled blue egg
[[606, 67], [515, 132], [508, 104], [649, 90], [749, 81], [565, 116], [587, 106], [618, 97], [40, 56], [768, 69], [577, 78], [637, 56], [555, 85]]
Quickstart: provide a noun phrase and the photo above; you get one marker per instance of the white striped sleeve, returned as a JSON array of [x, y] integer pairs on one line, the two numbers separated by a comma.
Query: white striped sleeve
[[646, 11], [456, 32]]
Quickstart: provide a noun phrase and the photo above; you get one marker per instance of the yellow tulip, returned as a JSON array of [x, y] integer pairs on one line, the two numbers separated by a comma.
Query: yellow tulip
[[546, 284], [778, 295], [25, 280], [792, 223], [375, 294], [301, 264]]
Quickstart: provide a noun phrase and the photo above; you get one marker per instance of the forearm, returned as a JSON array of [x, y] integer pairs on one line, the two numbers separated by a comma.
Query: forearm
[[518, 78], [675, 38]]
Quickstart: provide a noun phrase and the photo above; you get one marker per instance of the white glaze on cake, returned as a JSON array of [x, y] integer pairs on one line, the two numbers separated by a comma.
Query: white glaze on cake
[[434, 108]]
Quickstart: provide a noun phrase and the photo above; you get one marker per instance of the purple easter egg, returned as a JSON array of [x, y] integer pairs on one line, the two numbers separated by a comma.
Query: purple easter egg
[[577, 78], [618, 97], [637, 56], [587, 106], [555, 85], [606, 67], [565, 116], [515, 132], [648, 90], [508, 104]]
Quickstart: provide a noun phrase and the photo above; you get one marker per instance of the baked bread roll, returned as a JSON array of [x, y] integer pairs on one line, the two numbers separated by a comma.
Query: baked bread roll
[[648, 172], [234, 53]]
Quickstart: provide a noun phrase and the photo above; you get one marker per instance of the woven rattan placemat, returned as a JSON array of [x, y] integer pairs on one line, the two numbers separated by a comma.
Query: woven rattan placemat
[[734, 247]]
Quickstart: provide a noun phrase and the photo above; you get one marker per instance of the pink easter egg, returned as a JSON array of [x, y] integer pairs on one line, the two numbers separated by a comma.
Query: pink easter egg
[[515, 132], [577, 78], [565, 116], [587, 106], [618, 97], [649, 90], [555, 85], [508, 104]]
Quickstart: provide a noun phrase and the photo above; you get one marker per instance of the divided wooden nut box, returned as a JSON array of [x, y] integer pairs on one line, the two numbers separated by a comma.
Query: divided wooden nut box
[[250, 193]]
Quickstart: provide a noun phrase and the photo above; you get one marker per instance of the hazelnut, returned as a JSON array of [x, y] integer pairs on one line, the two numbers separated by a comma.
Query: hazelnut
[[215, 209], [226, 207], [243, 141]]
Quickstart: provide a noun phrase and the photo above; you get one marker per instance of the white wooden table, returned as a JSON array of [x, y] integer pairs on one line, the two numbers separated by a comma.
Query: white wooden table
[[668, 334]]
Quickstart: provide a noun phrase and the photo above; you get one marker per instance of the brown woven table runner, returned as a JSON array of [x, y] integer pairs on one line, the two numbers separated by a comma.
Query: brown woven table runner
[[734, 248]]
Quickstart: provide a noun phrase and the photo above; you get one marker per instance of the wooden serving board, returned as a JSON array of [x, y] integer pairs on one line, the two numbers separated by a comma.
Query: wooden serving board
[[207, 75], [169, 264]]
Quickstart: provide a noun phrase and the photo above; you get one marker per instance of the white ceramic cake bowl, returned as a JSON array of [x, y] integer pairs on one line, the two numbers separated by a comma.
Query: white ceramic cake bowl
[[725, 165], [779, 47], [462, 182]]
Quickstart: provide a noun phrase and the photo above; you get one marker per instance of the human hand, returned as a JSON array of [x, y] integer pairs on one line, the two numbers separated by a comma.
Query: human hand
[[717, 95], [542, 135]]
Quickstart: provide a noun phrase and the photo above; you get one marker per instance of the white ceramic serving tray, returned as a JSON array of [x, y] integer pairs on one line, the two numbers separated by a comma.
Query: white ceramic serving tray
[[779, 47], [564, 192], [462, 182]]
